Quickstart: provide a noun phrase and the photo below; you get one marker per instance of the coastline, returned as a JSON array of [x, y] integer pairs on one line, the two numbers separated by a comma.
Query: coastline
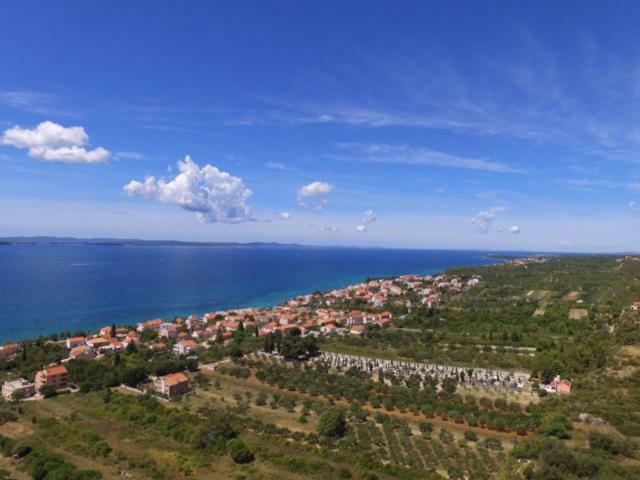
[[201, 297]]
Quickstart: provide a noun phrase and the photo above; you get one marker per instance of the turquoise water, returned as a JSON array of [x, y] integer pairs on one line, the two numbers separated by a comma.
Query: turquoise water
[[48, 289]]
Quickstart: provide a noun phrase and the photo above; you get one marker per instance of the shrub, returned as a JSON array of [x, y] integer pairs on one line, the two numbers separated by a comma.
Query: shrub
[[556, 425], [261, 399], [21, 450], [614, 444], [470, 436], [6, 415], [332, 423], [48, 391], [239, 452]]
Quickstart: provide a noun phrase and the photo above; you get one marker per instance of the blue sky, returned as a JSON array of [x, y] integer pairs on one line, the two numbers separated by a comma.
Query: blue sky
[[420, 124]]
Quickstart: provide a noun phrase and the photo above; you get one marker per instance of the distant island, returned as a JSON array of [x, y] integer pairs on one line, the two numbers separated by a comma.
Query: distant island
[[47, 240]]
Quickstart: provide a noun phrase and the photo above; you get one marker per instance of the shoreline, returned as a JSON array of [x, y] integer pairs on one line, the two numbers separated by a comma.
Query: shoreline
[[183, 314], [259, 300]]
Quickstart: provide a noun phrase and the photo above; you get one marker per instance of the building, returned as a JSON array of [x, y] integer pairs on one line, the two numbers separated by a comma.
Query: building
[[9, 351], [558, 386], [168, 330], [75, 342], [563, 387], [172, 385], [358, 329], [193, 322], [185, 347], [99, 342], [82, 352], [53, 376], [131, 338], [150, 325], [635, 306], [17, 389], [107, 331]]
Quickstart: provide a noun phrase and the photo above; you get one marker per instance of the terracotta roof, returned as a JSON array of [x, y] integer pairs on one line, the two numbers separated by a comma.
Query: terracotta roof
[[58, 370], [175, 379]]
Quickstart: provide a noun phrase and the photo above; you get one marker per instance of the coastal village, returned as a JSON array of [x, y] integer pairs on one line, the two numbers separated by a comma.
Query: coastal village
[[321, 315], [318, 315]]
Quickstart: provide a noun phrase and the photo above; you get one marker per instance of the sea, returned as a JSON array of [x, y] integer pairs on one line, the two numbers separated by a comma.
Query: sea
[[46, 289]]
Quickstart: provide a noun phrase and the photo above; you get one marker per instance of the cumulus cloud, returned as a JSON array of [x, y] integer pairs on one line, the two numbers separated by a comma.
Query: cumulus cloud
[[633, 206], [314, 194], [284, 215], [515, 229], [484, 219], [369, 217], [214, 195], [51, 142]]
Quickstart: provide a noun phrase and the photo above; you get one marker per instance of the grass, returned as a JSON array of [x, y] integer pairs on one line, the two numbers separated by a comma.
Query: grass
[[224, 395]]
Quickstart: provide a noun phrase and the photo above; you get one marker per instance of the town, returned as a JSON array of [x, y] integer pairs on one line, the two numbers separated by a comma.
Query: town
[[317, 315]]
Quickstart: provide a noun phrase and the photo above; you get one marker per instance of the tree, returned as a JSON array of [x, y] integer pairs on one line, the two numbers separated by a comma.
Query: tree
[[218, 429], [113, 330], [556, 425], [269, 343], [277, 340], [235, 351], [239, 452], [48, 391], [449, 385], [332, 422]]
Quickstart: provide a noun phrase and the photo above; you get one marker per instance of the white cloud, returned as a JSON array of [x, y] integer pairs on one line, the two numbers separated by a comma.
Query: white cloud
[[515, 229], [633, 206], [32, 102], [369, 217], [284, 215], [214, 195], [407, 155], [484, 219], [277, 166], [51, 142], [128, 156], [315, 194], [328, 228]]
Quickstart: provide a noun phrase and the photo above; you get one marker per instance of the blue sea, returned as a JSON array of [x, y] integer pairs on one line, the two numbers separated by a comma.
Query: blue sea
[[47, 289]]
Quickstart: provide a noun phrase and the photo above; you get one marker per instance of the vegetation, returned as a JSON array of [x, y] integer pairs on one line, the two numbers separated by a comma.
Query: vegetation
[[262, 416]]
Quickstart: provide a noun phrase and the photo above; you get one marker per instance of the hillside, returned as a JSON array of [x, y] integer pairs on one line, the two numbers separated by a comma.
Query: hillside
[[363, 408]]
